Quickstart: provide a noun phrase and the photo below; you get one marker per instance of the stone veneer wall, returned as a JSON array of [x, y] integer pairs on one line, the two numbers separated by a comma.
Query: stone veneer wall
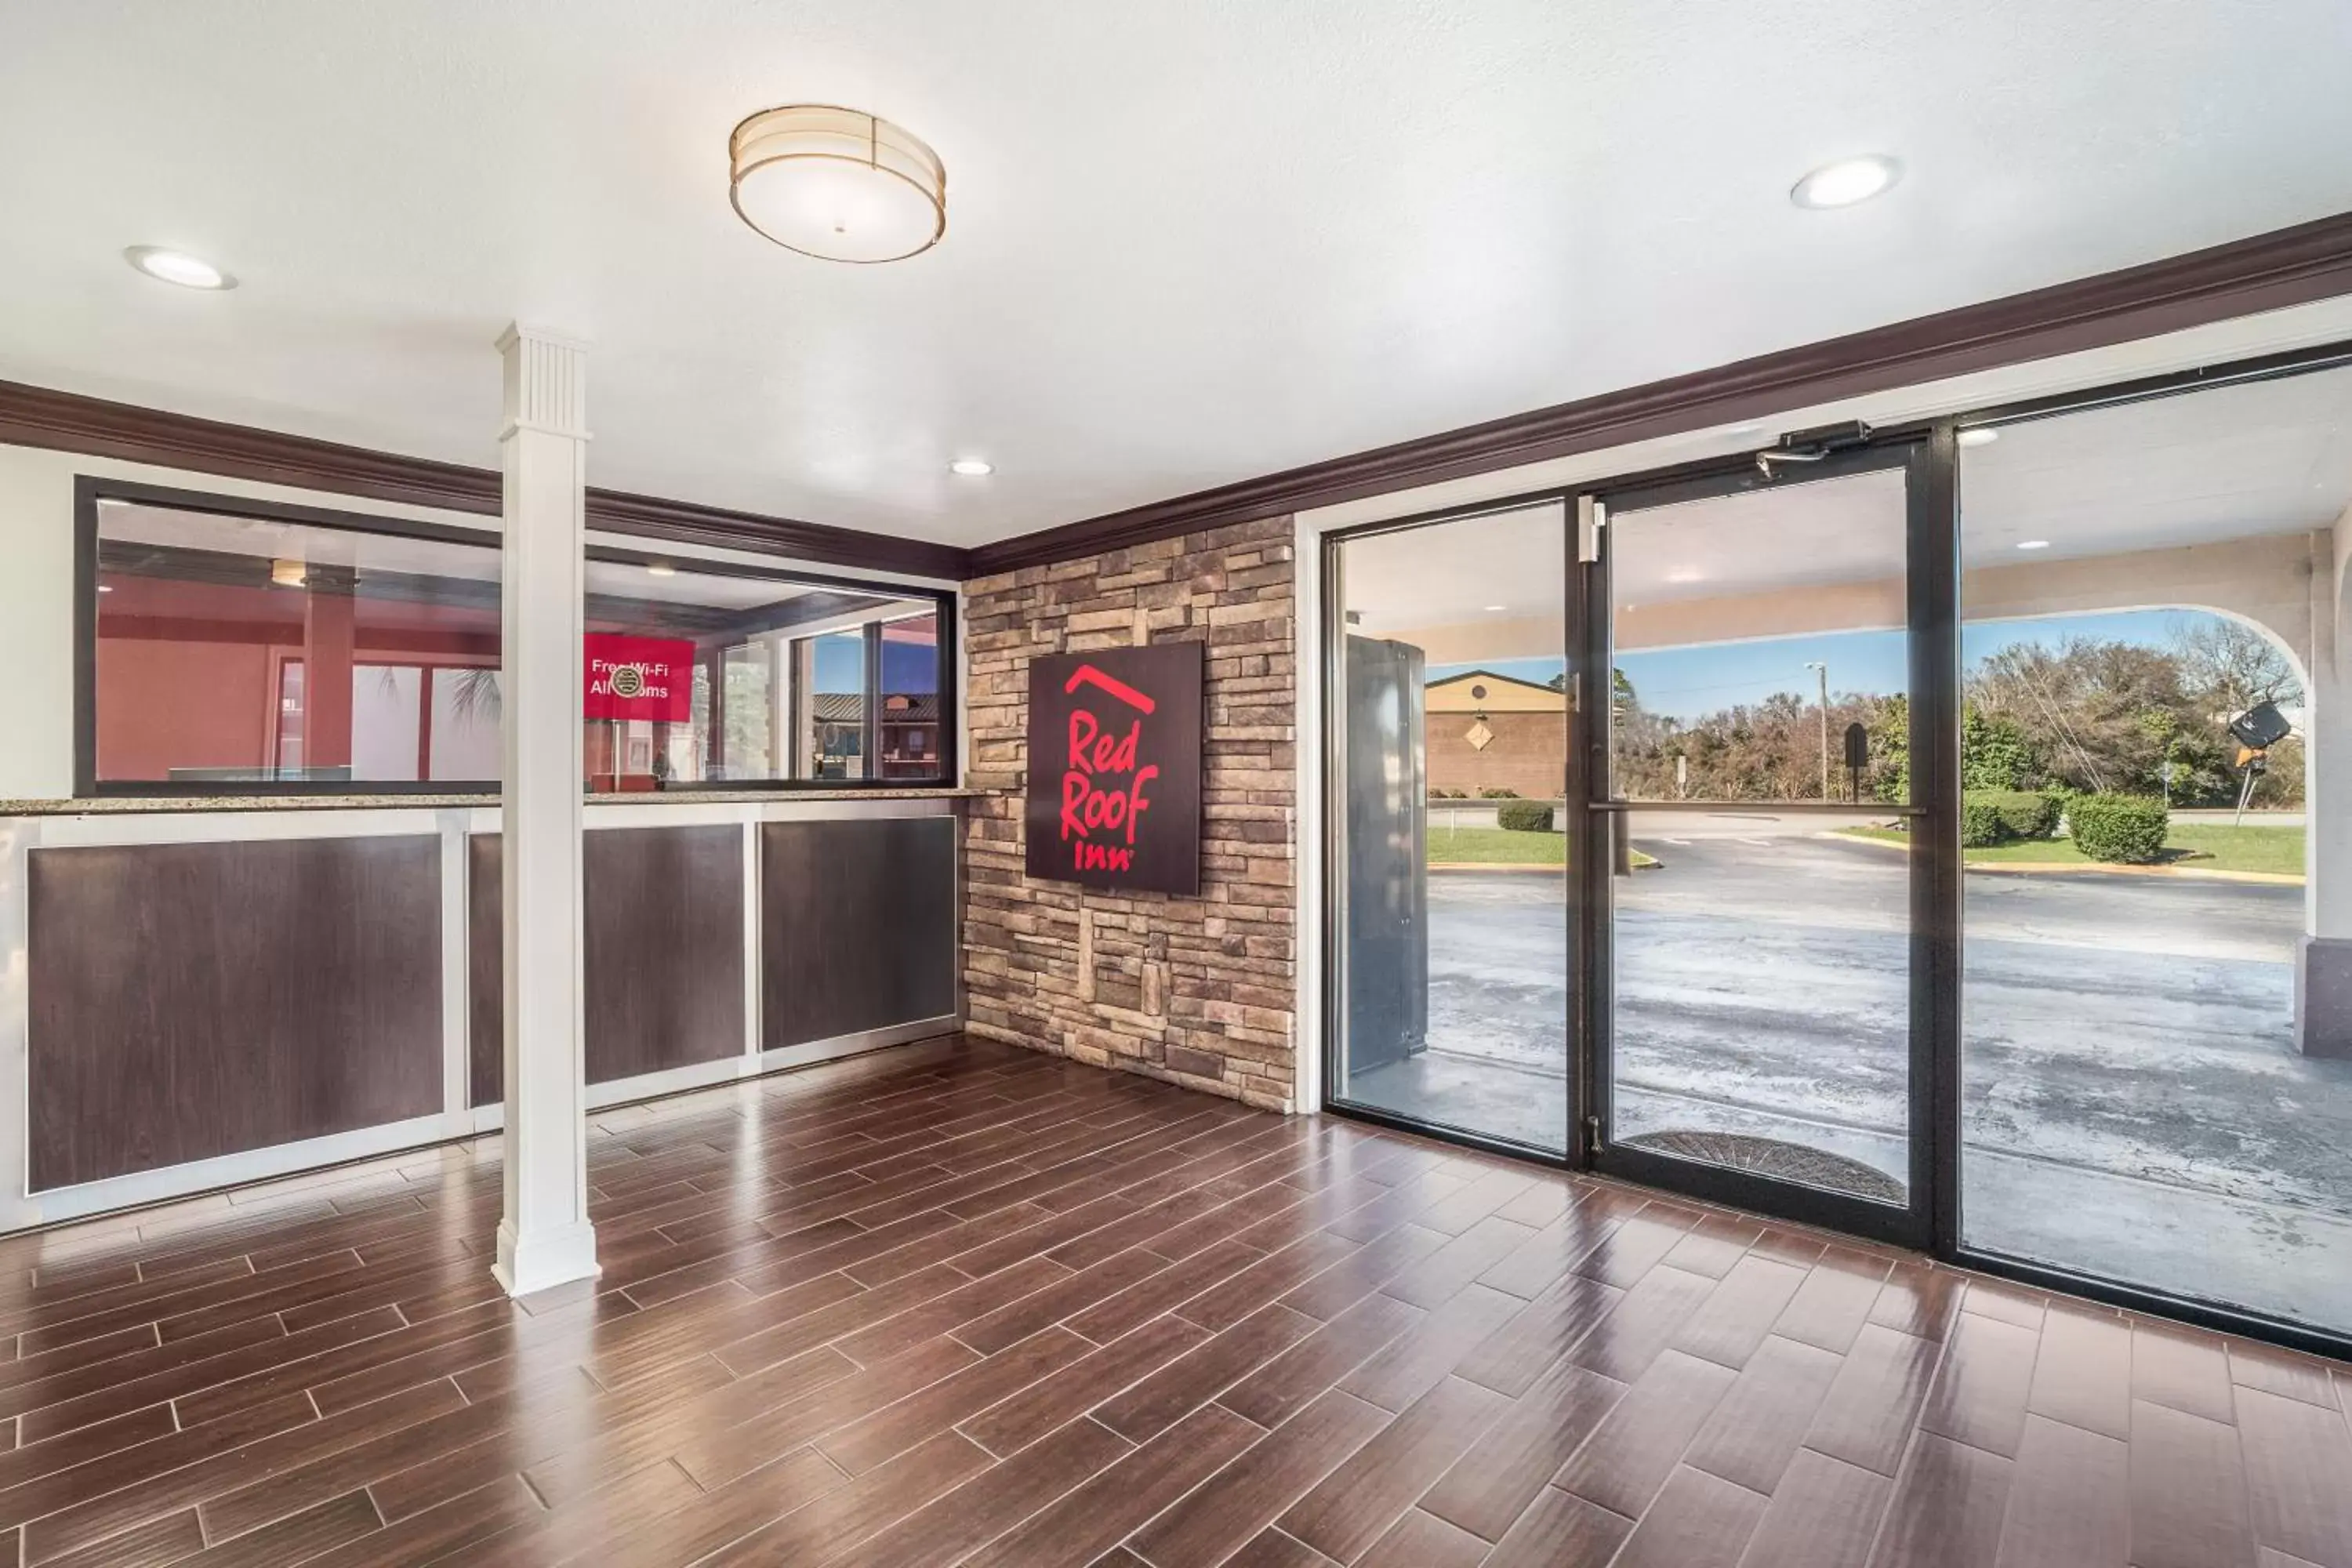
[[1199, 991]]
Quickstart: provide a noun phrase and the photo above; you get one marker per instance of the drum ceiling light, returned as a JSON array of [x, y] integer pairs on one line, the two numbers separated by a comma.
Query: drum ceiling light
[[837, 184]]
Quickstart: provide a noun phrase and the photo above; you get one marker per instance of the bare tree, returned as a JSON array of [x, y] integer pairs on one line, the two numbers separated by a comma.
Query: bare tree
[[2228, 666]]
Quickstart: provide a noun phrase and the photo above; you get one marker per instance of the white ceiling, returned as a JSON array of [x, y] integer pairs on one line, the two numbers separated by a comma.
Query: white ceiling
[[1186, 244]]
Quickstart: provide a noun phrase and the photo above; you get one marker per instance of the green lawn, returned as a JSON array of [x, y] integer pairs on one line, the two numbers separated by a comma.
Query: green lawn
[[1496, 847], [2202, 846], [1501, 846]]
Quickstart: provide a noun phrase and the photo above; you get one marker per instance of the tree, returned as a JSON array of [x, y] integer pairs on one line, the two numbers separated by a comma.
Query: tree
[[1890, 749], [1995, 753], [2231, 666]]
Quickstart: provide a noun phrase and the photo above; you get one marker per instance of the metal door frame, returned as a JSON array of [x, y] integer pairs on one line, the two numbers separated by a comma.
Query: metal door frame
[[1596, 818]]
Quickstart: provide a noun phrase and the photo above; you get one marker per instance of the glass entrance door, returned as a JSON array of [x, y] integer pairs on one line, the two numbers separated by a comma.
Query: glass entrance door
[[1748, 796]]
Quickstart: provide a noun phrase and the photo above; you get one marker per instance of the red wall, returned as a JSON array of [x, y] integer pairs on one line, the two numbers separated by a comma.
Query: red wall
[[181, 704]]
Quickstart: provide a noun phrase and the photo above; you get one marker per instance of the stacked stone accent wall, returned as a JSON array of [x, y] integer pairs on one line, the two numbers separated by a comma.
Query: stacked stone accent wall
[[1199, 991]]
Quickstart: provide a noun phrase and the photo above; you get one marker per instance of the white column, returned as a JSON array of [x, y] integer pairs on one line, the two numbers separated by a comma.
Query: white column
[[544, 1238], [2323, 971]]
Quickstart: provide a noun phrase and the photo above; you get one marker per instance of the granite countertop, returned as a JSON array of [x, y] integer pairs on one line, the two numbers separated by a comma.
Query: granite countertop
[[112, 806]]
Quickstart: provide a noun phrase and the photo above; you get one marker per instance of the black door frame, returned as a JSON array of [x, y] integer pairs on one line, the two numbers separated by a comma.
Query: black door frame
[[1596, 817], [1938, 908]]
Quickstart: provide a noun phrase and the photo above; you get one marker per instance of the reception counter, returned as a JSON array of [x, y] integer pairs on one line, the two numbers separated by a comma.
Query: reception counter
[[198, 992]]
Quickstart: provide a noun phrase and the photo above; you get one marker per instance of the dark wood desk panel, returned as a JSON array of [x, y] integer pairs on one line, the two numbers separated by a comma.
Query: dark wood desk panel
[[664, 935], [485, 973], [194, 1000], [857, 925]]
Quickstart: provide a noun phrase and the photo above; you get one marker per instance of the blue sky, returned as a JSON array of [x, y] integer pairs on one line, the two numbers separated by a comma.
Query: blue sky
[[905, 665], [1688, 682]]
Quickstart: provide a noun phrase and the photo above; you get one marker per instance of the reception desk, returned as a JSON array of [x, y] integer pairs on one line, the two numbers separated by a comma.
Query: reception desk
[[203, 992]]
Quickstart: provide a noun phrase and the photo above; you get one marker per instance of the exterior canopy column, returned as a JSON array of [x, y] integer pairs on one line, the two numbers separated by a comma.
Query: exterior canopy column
[[2323, 968]]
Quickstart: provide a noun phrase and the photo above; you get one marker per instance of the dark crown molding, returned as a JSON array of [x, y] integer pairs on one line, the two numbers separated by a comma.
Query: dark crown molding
[[2288, 267], [64, 421]]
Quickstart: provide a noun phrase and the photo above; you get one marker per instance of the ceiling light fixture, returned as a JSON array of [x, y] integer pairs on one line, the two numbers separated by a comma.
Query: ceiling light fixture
[[2034, 544], [177, 267], [289, 573], [1846, 181], [973, 468], [1983, 436], [660, 569], [837, 184]]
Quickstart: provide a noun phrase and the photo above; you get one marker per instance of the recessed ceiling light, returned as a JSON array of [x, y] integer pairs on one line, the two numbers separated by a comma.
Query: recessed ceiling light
[[973, 468], [106, 587], [2034, 544], [660, 569], [1983, 436], [177, 267], [1497, 609], [1846, 181]]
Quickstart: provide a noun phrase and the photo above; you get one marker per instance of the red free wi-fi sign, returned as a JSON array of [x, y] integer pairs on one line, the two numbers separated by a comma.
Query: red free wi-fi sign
[[1114, 797]]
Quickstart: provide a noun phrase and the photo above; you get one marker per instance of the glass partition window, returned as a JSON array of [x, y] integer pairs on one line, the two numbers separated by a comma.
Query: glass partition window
[[2142, 1097], [791, 680], [1449, 716], [243, 650], [249, 651]]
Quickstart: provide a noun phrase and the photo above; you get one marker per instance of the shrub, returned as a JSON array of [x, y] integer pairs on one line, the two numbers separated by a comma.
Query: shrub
[[1980, 823], [2124, 829], [1498, 795], [2025, 815], [1524, 817]]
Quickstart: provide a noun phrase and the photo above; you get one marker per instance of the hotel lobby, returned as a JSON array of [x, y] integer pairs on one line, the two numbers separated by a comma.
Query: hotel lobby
[[1337, 786]]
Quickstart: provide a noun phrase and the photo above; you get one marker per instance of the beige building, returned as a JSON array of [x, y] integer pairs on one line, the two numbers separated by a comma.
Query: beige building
[[1492, 731]]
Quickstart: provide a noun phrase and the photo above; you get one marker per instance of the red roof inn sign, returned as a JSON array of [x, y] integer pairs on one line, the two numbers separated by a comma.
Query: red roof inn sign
[[1115, 768]]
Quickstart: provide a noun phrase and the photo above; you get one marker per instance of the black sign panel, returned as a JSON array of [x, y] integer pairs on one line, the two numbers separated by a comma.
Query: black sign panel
[[2260, 727], [1115, 768]]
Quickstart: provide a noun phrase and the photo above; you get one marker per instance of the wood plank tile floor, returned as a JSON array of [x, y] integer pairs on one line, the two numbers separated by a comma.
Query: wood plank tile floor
[[955, 1303]]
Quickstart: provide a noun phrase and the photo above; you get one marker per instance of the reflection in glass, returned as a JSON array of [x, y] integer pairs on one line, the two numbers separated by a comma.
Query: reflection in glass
[[2142, 1098], [1761, 1015], [1451, 730]]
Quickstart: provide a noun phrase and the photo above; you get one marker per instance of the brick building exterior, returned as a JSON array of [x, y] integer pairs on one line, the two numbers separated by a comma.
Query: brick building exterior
[[1199, 991], [1492, 731]]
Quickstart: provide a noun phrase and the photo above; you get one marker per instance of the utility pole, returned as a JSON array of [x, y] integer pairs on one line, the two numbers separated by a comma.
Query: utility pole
[[1822, 670]]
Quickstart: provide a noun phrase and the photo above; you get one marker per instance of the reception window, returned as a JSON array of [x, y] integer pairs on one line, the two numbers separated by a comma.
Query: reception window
[[236, 646], [784, 679]]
